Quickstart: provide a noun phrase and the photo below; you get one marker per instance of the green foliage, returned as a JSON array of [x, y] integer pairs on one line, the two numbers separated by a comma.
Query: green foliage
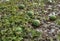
[[13, 22], [16, 17], [58, 21], [58, 36]]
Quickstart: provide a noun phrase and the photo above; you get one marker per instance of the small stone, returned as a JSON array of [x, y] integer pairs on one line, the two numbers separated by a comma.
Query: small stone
[[52, 30]]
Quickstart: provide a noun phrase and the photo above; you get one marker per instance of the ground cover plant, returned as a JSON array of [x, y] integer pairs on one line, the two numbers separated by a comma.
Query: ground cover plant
[[29, 20]]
